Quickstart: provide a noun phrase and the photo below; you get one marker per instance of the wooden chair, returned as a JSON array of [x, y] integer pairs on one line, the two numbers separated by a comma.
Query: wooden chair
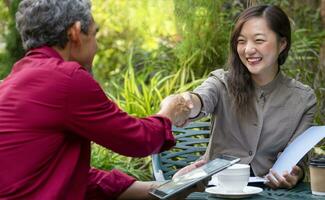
[[192, 142]]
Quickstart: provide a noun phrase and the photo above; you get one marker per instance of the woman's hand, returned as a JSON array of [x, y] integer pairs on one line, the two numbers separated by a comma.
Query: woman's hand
[[176, 109], [140, 190], [189, 168], [287, 181], [180, 107], [193, 102], [198, 187]]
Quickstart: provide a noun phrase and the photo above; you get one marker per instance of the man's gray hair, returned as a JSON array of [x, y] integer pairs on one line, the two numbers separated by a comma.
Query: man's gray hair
[[45, 22]]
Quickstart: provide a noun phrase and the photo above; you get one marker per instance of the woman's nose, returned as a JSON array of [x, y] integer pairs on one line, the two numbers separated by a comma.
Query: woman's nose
[[250, 49]]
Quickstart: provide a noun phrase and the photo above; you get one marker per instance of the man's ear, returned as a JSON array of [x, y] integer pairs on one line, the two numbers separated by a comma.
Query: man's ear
[[74, 33]]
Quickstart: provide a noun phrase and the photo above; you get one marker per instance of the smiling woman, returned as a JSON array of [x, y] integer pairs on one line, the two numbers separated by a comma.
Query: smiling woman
[[260, 43], [256, 109], [258, 49]]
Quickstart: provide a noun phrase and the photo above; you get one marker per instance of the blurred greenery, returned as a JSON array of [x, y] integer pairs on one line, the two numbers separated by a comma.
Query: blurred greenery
[[143, 26], [4, 57], [149, 49], [10, 37]]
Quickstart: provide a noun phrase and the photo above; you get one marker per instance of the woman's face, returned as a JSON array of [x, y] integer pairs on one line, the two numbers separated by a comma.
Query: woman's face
[[259, 48]]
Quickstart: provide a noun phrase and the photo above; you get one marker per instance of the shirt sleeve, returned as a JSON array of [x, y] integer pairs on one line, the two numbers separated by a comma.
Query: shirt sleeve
[[307, 117], [208, 93], [107, 184], [306, 121], [91, 115]]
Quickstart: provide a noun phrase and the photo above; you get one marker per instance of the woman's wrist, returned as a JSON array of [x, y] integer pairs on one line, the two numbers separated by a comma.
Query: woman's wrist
[[197, 105], [301, 174]]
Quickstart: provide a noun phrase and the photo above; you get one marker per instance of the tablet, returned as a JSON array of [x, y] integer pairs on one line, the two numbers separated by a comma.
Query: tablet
[[176, 185]]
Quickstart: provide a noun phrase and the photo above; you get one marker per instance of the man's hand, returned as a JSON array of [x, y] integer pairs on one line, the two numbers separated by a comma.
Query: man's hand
[[287, 181], [139, 190], [175, 108]]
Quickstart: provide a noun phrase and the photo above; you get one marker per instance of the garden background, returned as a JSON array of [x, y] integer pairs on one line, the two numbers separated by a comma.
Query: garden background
[[149, 49]]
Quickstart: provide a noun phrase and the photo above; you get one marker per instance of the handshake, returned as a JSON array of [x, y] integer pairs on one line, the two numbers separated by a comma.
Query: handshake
[[180, 107]]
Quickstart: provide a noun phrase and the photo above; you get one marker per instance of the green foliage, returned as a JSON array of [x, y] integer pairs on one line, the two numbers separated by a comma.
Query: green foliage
[[203, 30], [13, 46], [13, 40], [141, 96], [4, 14], [145, 26], [303, 65], [142, 93], [323, 148], [5, 64], [103, 158]]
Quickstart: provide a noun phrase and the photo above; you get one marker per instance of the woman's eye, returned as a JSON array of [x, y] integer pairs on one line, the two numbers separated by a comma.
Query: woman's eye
[[259, 41], [240, 41]]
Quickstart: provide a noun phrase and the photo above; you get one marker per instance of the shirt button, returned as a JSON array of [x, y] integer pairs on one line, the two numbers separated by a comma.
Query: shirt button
[[250, 153]]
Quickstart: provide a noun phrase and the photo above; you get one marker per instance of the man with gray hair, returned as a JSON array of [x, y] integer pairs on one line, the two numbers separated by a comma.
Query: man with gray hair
[[51, 108]]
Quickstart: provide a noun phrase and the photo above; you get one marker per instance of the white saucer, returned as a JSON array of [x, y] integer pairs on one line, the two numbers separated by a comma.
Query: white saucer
[[219, 192]]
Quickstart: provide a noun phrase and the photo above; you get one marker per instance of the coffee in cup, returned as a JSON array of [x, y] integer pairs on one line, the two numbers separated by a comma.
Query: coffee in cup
[[317, 175], [234, 179]]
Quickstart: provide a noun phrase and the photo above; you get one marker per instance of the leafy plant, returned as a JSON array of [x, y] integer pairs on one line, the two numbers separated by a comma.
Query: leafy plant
[[103, 158], [141, 96], [303, 65], [141, 25], [13, 48], [319, 150], [203, 30]]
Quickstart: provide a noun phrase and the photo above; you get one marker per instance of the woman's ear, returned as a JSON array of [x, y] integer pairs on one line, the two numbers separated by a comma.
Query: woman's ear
[[283, 43], [74, 33]]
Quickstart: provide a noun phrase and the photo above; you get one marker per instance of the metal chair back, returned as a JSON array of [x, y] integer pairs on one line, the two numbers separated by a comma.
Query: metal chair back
[[192, 142]]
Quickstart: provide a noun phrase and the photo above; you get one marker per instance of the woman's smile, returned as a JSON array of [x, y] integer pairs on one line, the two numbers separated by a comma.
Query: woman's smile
[[254, 60]]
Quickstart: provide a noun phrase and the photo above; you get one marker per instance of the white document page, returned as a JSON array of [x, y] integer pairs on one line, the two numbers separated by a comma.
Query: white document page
[[298, 148], [292, 153]]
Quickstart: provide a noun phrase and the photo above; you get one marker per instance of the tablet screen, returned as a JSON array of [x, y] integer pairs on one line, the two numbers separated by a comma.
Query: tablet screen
[[181, 182]]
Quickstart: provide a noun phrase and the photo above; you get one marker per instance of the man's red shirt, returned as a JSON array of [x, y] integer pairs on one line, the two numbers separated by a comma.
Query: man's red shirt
[[50, 110]]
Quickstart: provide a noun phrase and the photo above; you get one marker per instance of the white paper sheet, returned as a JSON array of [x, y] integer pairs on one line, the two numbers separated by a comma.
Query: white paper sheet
[[298, 148], [292, 153]]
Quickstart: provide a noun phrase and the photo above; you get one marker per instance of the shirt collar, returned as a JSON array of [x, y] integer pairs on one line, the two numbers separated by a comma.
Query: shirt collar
[[45, 50], [268, 88]]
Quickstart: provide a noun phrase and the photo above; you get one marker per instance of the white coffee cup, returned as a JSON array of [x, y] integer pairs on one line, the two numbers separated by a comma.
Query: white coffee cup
[[234, 178]]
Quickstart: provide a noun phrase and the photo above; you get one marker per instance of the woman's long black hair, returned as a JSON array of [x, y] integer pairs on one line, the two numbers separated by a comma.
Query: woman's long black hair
[[240, 82]]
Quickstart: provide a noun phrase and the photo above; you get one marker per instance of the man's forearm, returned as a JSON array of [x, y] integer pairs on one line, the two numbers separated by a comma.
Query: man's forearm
[[139, 190]]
